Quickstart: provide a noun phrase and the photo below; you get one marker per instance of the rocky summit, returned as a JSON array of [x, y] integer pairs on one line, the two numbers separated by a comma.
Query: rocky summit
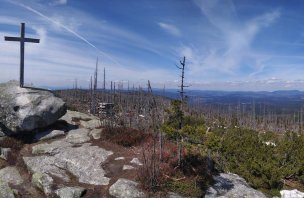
[[27, 109]]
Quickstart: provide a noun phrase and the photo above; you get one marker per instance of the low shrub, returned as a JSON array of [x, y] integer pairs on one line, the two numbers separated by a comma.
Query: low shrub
[[10, 142], [124, 136]]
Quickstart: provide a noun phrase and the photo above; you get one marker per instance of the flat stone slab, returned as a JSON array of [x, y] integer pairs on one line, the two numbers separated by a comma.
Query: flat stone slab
[[83, 161], [11, 175], [78, 136], [48, 134], [72, 117], [124, 188], [51, 148]]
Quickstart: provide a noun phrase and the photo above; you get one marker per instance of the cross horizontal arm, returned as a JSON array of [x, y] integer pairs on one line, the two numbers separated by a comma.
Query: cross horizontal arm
[[31, 40], [8, 38]]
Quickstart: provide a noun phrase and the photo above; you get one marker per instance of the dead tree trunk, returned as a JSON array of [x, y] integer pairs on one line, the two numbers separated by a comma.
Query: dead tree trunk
[[182, 86]]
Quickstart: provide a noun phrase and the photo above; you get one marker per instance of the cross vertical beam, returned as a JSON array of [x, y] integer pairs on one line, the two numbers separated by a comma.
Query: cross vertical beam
[[22, 55], [22, 41]]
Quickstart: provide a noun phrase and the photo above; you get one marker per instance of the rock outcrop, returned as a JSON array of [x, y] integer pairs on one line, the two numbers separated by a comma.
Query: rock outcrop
[[27, 109], [61, 156], [232, 186]]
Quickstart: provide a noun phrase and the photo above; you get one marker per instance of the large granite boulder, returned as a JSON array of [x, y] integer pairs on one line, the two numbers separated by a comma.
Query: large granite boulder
[[232, 186], [26, 109]]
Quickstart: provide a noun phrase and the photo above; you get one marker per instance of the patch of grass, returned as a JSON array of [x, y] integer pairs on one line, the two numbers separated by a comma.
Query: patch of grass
[[188, 187]]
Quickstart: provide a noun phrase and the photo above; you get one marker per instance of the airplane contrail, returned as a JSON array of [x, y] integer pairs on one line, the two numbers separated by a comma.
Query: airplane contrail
[[64, 27]]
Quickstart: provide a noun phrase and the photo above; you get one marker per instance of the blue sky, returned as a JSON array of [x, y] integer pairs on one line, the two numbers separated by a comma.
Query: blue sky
[[229, 45]]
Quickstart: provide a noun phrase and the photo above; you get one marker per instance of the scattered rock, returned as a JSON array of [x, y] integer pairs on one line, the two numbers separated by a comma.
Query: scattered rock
[[49, 134], [78, 136], [2, 134], [96, 133], [127, 167], [84, 161], [125, 188], [70, 192], [291, 194], [174, 195], [43, 182], [119, 158], [51, 148], [92, 124], [5, 190], [26, 109], [72, 117], [46, 164], [10, 175], [233, 186], [4, 153], [136, 161]]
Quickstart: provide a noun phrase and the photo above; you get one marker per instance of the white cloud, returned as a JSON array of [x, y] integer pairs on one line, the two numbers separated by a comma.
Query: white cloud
[[235, 49], [171, 29], [59, 2]]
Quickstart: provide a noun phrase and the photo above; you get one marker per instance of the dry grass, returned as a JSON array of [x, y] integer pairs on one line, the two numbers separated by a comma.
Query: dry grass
[[124, 136]]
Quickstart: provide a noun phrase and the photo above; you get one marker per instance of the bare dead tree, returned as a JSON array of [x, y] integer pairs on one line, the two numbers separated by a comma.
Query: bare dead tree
[[182, 100], [104, 79]]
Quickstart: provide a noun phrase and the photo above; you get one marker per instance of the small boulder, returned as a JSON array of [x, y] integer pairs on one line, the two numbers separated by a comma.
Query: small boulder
[[70, 192], [119, 158], [10, 175], [291, 194], [96, 133], [6, 191], [127, 167], [231, 185], [27, 109], [43, 182], [174, 195], [136, 161], [78, 136], [4, 153], [125, 188]]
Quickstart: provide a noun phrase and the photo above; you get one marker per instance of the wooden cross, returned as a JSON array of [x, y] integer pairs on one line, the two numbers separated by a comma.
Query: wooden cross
[[22, 40]]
